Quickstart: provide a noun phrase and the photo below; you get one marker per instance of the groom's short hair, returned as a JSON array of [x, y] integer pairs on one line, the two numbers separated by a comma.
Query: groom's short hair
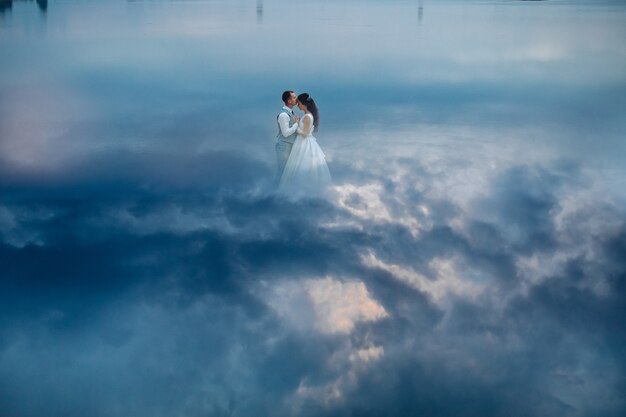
[[287, 96]]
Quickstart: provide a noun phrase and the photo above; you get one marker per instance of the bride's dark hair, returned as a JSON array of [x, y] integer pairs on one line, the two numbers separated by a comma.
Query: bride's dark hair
[[308, 101]]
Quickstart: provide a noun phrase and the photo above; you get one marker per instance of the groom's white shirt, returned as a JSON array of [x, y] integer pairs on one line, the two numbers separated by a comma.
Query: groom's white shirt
[[283, 123]]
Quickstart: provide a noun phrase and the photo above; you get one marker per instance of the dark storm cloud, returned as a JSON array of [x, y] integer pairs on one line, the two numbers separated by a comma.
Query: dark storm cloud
[[140, 299], [82, 284], [522, 204], [538, 342]]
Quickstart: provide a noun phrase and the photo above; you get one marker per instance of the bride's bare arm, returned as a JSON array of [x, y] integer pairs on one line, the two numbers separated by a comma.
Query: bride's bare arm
[[306, 126]]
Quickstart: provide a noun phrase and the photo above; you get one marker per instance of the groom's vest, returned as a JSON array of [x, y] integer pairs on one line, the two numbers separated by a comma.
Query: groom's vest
[[290, 138]]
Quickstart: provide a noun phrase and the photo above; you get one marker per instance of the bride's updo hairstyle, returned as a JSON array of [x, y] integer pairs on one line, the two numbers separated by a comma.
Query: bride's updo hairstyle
[[308, 101]]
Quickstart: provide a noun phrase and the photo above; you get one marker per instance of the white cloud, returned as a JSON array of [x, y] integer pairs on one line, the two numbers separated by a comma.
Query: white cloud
[[340, 305], [326, 305], [368, 354], [366, 203], [448, 281], [331, 307], [348, 363]]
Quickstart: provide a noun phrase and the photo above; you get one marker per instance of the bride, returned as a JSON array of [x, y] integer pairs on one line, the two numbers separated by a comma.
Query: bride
[[306, 171]]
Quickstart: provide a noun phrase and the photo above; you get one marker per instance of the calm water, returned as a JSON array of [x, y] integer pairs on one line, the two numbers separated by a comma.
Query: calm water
[[80, 79], [472, 264]]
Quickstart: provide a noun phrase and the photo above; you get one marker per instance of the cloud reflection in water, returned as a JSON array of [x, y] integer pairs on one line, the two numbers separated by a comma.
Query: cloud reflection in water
[[472, 262]]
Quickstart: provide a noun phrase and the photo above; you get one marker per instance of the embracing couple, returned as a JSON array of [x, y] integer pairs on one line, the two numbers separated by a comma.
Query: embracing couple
[[302, 168]]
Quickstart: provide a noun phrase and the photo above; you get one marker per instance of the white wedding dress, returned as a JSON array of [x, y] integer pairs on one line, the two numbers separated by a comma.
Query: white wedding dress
[[306, 172]]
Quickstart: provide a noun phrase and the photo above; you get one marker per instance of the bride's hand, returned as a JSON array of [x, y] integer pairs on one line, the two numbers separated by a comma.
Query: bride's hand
[[296, 119]]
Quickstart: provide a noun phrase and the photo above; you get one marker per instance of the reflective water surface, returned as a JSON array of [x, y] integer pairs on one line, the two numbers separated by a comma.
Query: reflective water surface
[[473, 261]]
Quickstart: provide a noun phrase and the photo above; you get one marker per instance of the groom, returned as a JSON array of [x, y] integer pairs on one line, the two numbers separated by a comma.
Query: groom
[[287, 126]]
